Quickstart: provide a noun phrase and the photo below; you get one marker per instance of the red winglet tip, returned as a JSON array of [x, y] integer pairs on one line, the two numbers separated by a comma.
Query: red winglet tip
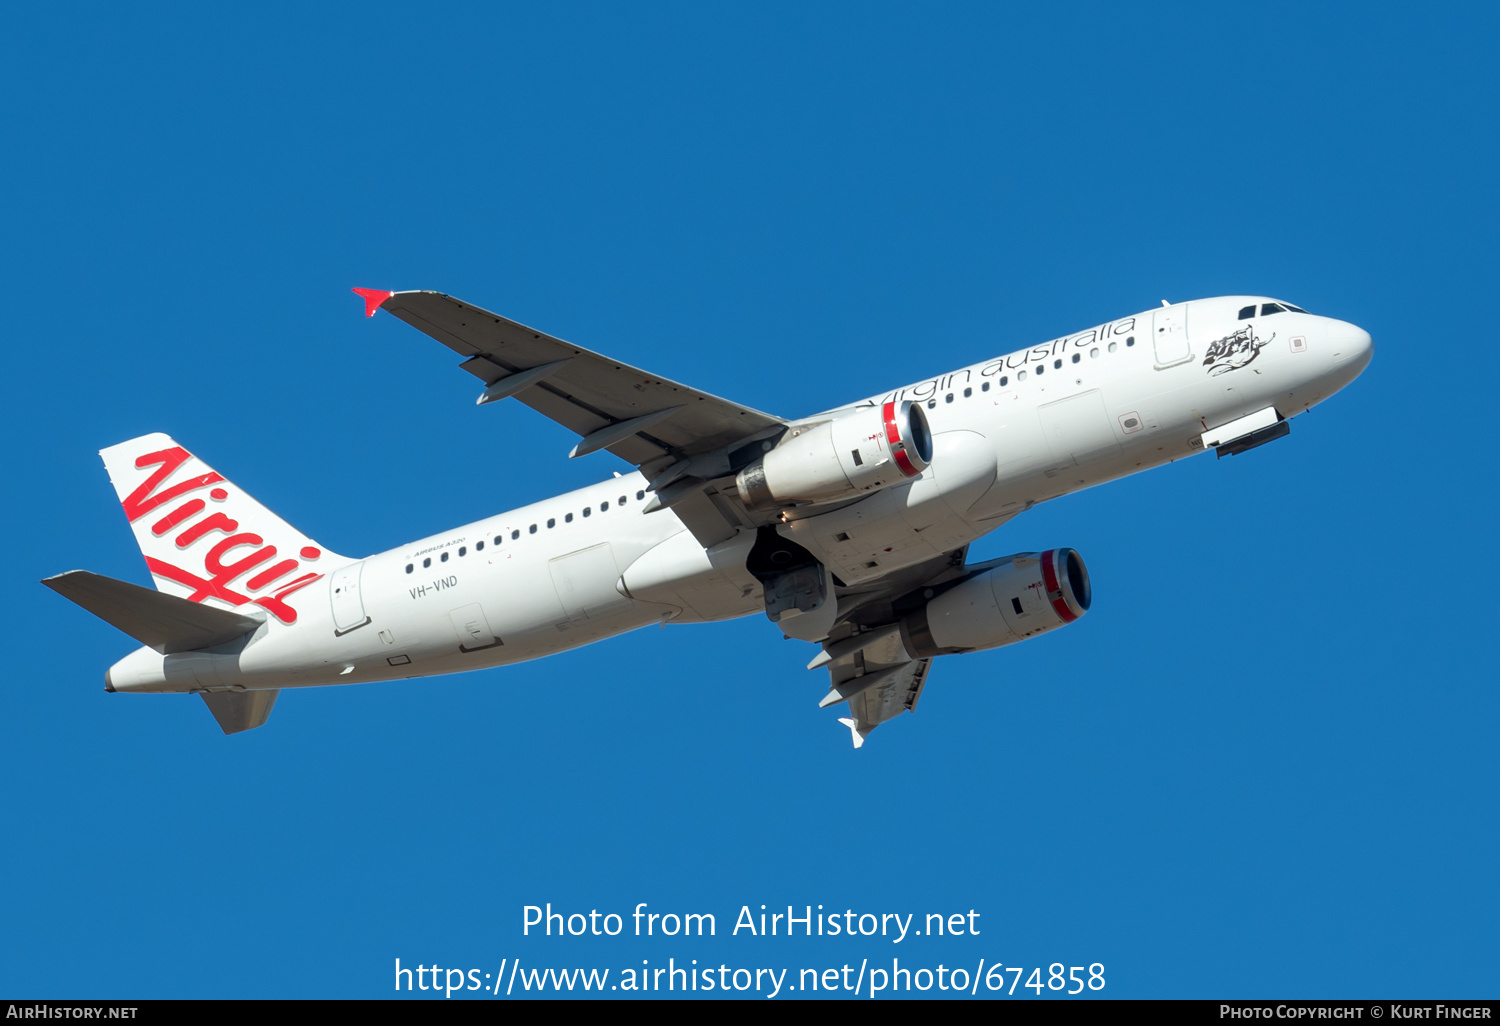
[[373, 299]]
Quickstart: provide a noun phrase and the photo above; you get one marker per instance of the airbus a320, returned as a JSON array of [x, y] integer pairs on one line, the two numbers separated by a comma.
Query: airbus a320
[[848, 529]]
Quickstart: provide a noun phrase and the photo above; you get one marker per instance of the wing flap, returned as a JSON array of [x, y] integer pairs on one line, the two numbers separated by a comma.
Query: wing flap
[[878, 681], [487, 370], [897, 692]]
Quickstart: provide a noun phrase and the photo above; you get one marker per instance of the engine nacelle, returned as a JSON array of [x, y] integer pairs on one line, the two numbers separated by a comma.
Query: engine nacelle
[[859, 451], [1033, 593]]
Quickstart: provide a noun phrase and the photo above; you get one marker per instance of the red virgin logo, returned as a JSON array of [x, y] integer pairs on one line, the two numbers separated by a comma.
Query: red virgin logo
[[208, 543]]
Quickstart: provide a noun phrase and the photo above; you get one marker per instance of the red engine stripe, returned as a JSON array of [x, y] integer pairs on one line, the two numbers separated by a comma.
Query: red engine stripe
[[898, 447], [892, 432], [1049, 578]]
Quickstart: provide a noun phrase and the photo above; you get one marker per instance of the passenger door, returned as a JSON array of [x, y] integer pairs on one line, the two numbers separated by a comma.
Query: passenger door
[[348, 605], [1170, 336]]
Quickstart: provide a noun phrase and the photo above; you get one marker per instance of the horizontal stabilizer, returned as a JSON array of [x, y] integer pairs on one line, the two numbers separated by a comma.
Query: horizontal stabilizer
[[240, 710], [154, 618]]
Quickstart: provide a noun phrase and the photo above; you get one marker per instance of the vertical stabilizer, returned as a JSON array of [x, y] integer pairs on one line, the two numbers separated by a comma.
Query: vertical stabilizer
[[240, 710], [206, 540]]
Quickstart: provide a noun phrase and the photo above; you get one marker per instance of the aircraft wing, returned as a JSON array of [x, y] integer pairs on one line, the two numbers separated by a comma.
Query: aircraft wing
[[679, 437], [868, 665], [894, 692], [593, 395]]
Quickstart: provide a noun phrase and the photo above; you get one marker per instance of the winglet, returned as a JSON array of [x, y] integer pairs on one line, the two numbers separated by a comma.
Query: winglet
[[859, 739], [373, 298]]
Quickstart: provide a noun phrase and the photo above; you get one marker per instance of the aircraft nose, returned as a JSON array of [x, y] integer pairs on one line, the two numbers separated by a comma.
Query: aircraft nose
[[1352, 347]]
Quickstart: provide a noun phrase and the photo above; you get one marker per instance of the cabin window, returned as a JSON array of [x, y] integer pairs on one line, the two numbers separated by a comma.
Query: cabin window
[[640, 495], [1057, 364], [622, 500], [568, 519], [479, 545], [426, 562], [1040, 368], [985, 387], [949, 399], [1247, 312], [1020, 375], [932, 404], [1129, 341], [968, 392], [1004, 381], [586, 511], [499, 538], [1077, 357], [602, 507], [517, 533], [408, 568], [1113, 346], [551, 522], [443, 558], [531, 529], [1093, 352], [463, 550], [1267, 309]]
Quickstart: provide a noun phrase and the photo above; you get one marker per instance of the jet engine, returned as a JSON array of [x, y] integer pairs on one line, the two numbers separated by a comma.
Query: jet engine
[[858, 451], [1024, 595]]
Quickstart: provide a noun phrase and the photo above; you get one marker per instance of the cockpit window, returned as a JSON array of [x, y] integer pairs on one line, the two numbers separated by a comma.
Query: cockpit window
[[1266, 309], [1294, 309], [1246, 312]]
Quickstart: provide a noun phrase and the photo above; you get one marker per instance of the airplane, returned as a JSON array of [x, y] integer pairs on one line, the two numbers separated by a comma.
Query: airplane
[[848, 529]]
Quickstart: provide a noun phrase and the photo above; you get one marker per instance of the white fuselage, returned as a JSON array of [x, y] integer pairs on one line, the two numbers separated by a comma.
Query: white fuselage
[[1008, 433]]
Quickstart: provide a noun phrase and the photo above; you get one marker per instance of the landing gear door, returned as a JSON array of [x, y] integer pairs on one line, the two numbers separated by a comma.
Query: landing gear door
[[1169, 336], [348, 606]]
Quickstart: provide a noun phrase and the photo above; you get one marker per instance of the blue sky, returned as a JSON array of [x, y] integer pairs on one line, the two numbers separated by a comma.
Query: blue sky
[[1263, 765]]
